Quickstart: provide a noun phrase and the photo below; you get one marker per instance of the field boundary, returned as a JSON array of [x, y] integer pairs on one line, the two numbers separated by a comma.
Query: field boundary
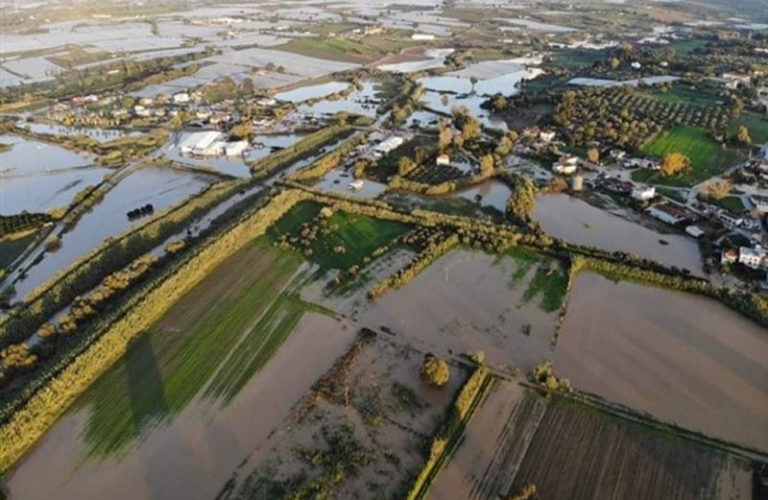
[[647, 420]]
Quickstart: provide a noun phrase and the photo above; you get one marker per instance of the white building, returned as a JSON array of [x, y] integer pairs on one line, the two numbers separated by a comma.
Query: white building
[[760, 203], [202, 143], [236, 148], [356, 185], [730, 219], [566, 165], [141, 111], [694, 231], [547, 135], [388, 145], [752, 257], [643, 193], [443, 159], [423, 37], [181, 98]]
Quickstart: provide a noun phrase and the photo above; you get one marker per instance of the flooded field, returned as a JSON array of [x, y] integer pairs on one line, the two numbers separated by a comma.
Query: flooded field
[[161, 187], [183, 408], [493, 77], [570, 450], [505, 306], [100, 134], [709, 359], [28, 157], [363, 101], [311, 92], [445, 102], [579, 222], [338, 180]]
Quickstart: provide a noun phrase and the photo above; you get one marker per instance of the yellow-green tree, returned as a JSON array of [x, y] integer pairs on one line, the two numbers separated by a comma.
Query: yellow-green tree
[[435, 371], [675, 163]]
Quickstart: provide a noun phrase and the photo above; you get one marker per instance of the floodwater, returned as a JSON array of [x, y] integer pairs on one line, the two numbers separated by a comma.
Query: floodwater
[[363, 101], [579, 222], [45, 191], [446, 102], [192, 454], [434, 58], [264, 145], [468, 301], [31, 157], [159, 186], [460, 82], [311, 92], [100, 134], [682, 358], [338, 181]]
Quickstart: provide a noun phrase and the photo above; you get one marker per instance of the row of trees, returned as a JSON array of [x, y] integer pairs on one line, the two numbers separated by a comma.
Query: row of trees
[[43, 407], [10, 224]]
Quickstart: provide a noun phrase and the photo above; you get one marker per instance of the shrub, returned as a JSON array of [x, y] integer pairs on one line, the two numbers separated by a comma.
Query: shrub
[[435, 371]]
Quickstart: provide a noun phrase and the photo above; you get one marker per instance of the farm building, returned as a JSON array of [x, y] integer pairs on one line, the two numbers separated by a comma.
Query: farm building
[[668, 213], [202, 143], [235, 148], [643, 193], [387, 145]]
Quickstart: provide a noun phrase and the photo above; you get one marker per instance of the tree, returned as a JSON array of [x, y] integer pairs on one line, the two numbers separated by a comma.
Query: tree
[[593, 155], [445, 138], [675, 163], [615, 63], [247, 86], [242, 130], [522, 199], [405, 166], [129, 102], [435, 371], [743, 135], [53, 243], [718, 189], [499, 102], [175, 122], [487, 165]]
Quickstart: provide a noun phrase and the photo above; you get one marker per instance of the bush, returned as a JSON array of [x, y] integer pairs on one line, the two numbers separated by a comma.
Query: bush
[[435, 371]]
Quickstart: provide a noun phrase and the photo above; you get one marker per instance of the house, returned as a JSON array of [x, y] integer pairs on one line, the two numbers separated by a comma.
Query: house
[[617, 185], [141, 111], [729, 256], [423, 37], [669, 213], [694, 231], [618, 154], [235, 148], [752, 257], [760, 202], [636, 65], [730, 219], [547, 135], [443, 159], [566, 165], [266, 101], [643, 193], [181, 98], [146, 101], [733, 80], [356, 185]]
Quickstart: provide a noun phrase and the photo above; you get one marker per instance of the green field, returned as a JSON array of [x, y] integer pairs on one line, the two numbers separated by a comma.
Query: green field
[[366, 50], [686, 96], [360, 235], [757, 125], [10, 249], [223, 330], [732, 203], [707, 156], [549, 282], [686, 46]]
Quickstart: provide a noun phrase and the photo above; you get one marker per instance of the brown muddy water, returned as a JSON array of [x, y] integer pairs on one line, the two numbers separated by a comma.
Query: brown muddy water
[[682, 358], [194, 453], [466, 301], [578, 222]]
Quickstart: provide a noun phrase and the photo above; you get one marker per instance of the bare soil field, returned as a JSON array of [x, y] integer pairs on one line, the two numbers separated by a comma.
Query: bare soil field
[[682, 358], [359, 434], [571, 450]]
